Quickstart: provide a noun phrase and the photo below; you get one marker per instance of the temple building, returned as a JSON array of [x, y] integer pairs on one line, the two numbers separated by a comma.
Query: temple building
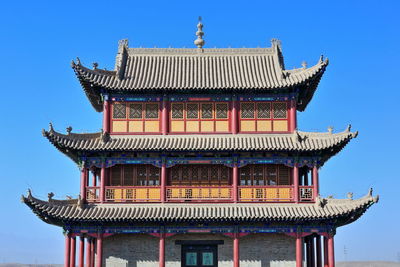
[[199, 163]]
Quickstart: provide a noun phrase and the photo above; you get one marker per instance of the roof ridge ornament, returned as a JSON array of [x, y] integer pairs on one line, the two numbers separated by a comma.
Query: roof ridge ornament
[[199, 42]]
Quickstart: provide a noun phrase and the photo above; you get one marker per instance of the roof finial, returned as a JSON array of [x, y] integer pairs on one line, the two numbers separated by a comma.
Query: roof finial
[[199, 42]]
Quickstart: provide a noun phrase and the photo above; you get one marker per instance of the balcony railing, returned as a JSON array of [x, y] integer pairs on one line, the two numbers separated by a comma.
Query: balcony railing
[[197, 193], [266, 193], [306, 193], [133, 194], [93, 193], [128, 194]]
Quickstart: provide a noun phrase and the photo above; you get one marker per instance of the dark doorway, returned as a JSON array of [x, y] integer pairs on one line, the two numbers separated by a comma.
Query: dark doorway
[[199, 256]]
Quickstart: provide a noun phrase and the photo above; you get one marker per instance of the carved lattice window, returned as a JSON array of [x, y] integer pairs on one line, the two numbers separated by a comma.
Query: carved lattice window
[[264, 110], [284, 175], [206, 111], [245, 175], [204, 173], [258, 175], [185, 173], [151, 111], [247, 110], [154, 175], [280, 111], [115, 176], [224, 175], [119, 111], [177, 111], [128, 175], [192, 111], [135, 111], [141, 175], [272, 175], [221, 110]]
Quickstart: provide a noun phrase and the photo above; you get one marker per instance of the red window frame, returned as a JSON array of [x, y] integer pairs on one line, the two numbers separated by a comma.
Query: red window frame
[[250, 181], [142, 119], [199, 181], [271, 117], [199, 118], [135, 179]]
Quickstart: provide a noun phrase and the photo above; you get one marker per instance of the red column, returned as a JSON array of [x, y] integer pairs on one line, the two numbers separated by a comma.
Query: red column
[[308, 251], [92, 252], [312, 251], [106, 115], [94, 179], [235, 182], [83, 183], [326, 263], [81, 251], [318, 250], [162, 250], [73, 251], [88, 251], [331, 252], [163, 181], [102, 184], [299, 251], [164, 116], [293, 116], [99, 251], [315, 181], [67, 250], [296, 183], [236, 260], [234, 119]]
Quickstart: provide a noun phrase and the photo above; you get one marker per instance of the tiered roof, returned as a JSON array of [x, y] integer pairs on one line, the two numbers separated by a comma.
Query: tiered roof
[[58, 212], [328, 143], [161, 70]]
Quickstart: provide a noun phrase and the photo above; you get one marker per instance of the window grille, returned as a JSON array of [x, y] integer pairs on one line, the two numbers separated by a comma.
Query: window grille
[[206, 111], [204, 173], [151, 111], [258, 175], [263, 110], [141, 175], [177, 111], [119, 111], [115, 176], [272, 175], [128, 175], [221, 110], [279, 110], [135, 111], [284, 175], [245, 175], [247, 110], [185, 173], [192, 111]]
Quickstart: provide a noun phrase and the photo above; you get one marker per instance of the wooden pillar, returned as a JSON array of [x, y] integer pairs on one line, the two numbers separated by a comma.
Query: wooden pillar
[[81, 251], [92, 240], [299, 251], [234, 117], [235, 182], [293, 116], [94, 178], [161, 256], [315, 182], [236, 260], [318, 253], [331, 251], [308, 251], [163, 182], [83, 183], [296, 183], [88, 251], [99, 250], [102, 184], [106, 115], [326, 263], [67, 250], [73, 252], [312, 251], [164, 116]]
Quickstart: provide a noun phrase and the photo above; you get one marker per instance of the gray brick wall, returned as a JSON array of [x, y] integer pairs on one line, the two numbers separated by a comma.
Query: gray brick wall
[[139, 250]]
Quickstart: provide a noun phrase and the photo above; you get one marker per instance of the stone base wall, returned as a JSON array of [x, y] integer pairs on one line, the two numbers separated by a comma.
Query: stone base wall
[[256, 250]]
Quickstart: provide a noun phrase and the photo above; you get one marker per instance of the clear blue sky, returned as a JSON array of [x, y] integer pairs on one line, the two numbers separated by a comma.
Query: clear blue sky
[[38, 40]]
